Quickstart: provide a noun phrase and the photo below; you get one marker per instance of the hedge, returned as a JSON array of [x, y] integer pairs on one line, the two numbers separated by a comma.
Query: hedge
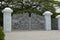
[[1, 34]]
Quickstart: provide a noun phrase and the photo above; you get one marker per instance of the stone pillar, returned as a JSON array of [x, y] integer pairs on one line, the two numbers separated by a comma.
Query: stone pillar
[[58, 17], [47, 16], [7, 19]]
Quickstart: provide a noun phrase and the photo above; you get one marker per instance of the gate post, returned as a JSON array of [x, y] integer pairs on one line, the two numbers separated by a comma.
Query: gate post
[[47, 16], [7, 19], [58, 17]]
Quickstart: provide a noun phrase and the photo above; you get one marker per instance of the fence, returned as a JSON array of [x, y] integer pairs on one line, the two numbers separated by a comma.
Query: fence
[[7, 19]]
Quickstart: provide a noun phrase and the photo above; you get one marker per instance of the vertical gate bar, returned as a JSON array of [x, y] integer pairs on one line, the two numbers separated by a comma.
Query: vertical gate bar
[[29, 23]]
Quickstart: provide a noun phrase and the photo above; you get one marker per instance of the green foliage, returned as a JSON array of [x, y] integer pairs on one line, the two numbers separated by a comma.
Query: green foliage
[[1, 34], [45, 5], [23, 7], [27, 6]]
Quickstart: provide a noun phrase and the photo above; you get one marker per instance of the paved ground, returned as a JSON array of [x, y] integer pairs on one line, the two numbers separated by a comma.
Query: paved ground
[[33, 35]]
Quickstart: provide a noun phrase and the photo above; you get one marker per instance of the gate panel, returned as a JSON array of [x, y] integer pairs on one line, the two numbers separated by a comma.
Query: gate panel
[[54, 24], [24, 22], [37, 22]]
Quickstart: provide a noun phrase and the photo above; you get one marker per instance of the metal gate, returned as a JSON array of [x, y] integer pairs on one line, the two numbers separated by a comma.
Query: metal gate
[[24, 22], [54, 24]]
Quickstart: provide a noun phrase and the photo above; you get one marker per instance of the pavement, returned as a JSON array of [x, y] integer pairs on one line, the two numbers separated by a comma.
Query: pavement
[[33, 35]]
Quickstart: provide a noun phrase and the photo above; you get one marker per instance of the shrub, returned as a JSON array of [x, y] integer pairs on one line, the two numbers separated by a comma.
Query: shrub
[[1, 34]]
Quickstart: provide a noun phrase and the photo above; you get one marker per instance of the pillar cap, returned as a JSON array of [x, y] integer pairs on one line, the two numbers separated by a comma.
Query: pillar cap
[[47, 13], [7, 10], [58, 16]]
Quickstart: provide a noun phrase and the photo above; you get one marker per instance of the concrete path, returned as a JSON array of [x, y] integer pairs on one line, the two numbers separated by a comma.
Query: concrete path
[[33, 35]]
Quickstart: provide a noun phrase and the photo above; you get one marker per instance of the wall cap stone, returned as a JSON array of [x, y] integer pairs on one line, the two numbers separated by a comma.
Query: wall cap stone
[[7, 10], [58, 16], [47, 13]]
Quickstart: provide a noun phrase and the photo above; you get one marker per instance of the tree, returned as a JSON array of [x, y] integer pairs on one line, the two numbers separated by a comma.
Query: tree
[[32, 6]]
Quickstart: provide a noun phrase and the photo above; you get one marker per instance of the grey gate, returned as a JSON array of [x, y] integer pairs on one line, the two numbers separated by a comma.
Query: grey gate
[[24, 22], [54, 24]]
